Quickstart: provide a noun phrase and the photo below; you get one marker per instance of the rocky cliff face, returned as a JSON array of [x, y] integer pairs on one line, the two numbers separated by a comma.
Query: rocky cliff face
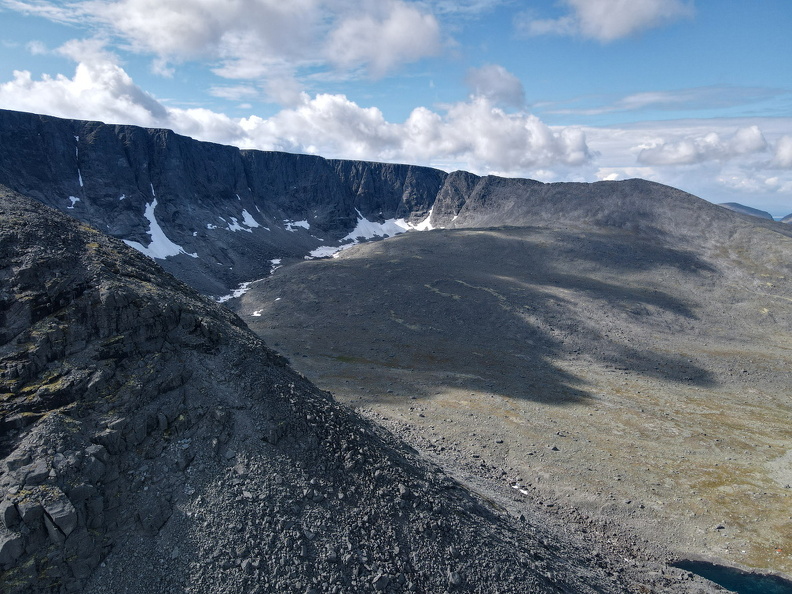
[[150, 442], [213, 215], [216, 216]]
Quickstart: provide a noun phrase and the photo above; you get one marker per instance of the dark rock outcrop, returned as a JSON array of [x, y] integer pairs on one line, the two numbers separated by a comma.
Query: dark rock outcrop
[[150, 442]]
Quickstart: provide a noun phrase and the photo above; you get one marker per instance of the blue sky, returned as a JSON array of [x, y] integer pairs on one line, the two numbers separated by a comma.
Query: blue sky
[[693, 93]]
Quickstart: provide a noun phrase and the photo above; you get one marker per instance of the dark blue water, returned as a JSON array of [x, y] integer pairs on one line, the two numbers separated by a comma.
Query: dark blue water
[[737, 580]]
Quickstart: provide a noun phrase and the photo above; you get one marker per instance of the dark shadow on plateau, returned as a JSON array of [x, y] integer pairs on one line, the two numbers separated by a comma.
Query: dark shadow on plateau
[[487, 310]]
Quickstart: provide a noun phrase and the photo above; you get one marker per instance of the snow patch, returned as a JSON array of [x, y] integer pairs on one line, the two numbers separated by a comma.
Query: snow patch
[[248, 219], [152, 190], [238, 198], [426, 224], [210, 226], [235, 226], [123, 197], [326, 251], [276, 263], [74, 200], [79, 177], [292, 225], [257, 313], [236, 293], [365, 229], [160, 246]]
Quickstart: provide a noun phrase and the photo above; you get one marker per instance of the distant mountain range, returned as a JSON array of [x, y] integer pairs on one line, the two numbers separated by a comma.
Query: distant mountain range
[[217, 216], [741, 208]]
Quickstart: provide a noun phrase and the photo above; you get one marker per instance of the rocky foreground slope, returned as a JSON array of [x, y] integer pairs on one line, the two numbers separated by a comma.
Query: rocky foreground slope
[[150, 442]]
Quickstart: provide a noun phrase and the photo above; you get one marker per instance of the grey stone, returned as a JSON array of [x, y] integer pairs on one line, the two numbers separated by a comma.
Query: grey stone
[[56, 536], [9, 515], [111, 440], [98, 451], [11, 549], [62, 513], [30, 511], [37, 472], [380, 582]]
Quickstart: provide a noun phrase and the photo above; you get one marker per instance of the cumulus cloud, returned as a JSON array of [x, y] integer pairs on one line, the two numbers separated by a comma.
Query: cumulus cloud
[[394, 33], [707, 147], [607, 20], [99, 90], [783, 153], [250, 38], [475, 134], [496, 84]]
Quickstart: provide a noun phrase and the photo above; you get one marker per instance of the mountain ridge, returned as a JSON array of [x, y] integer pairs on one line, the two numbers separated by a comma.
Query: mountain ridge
[[223, 214]]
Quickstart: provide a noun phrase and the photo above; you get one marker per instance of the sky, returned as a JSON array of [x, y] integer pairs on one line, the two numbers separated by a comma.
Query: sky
[[696, 94]]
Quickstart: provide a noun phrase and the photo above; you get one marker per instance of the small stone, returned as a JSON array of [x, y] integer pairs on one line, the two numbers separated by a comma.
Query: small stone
[[454, 578], [404, 492], [8, 514], [380, 582]]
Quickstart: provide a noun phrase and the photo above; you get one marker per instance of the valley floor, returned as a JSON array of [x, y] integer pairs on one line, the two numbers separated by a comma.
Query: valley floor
[[616, 393]]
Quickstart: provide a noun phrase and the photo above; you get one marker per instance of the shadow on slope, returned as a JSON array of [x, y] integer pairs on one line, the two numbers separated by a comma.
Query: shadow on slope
[[494, 310]]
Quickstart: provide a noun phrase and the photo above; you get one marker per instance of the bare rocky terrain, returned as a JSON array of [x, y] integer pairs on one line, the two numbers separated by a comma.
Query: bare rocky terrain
[[635, 375], [152, 443], [564, 388]]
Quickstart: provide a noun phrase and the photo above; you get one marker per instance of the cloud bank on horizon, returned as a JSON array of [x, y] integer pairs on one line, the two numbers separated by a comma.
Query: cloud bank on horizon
[[576, 90]]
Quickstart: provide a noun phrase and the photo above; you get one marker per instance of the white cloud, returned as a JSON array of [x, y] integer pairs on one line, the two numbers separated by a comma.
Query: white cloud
[[497, 84], [466, 7], [719, 160], [696, 98], [783, 153], [486, 138], [250, 39], [234, 92], [607, 20], [99, 90], [393, 34], [37, 48], [706, 147], [474, 134]]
